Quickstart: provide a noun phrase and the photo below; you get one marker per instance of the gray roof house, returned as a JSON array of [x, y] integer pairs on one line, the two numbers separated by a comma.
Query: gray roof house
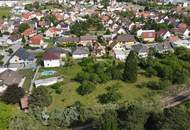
[[141, 50], [10, 77], [80, 52], [22, 57], [61, 40], [163, 47]]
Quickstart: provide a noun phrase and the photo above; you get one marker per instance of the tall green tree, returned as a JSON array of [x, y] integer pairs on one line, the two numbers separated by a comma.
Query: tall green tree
[[23, 40], [109, 121], [130, 69], [23, 26], [40, 97], [86, 87], [12, 94], [105, 3], [132, 118]]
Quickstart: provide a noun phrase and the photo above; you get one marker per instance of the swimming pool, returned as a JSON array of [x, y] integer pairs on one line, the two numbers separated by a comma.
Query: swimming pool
[[48, 72]]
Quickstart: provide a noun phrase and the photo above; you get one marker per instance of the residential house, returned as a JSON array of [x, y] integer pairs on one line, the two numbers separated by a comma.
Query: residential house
[[148, 35], [64, 40], [54, 57], [80, 53], [163, 47], [123, 41], [87, 40], [9, 78], [183, 33], [13, 39], [21, 56], [121, 54], [64, 27], [29, 32], [181, 43], [53, 32], [37, 41], [27, 16], [173, 39], [98, 50], [3, 40], [164, 34], [141, 50]]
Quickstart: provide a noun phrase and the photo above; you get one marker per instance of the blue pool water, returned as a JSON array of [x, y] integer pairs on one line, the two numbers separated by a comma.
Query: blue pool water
[[48, 72]]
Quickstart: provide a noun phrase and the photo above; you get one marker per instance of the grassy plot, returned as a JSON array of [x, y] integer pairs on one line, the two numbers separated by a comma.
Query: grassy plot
[[6, 113], [28, 74], [4, 11], [129, 92]]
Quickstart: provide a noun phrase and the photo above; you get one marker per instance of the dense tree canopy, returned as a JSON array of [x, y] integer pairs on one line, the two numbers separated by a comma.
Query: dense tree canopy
[[23, 27], [132, 118], [12, 94], [63, 118], [86, 87], [23, 122], [109, 121], [40, 97], [130, 70]]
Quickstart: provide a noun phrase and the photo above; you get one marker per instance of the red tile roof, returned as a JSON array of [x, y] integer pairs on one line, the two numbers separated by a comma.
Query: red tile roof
[[36, 40], [173, 38], [58, 17], [24, 102], [28, 32], [182, 26], [26, 15], [51, 56], [105, 18], [53, 29], [149, 34]]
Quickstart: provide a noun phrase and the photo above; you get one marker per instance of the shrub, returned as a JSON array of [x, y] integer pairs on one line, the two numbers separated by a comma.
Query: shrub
[[111, 96], [86, 87]]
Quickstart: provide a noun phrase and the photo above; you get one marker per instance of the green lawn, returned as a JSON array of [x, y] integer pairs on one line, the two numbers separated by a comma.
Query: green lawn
[[130, 92], [4, 11], [6, 112], [28, 73]]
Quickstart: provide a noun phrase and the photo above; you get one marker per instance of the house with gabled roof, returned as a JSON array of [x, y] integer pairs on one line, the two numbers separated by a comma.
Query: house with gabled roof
[[163, 47], [147, 35], [122, 41], [21, 56], [54, 57], [52, 32], [29, 32], [87, 40], [37, 41], [141, 50], [63, 40], [164, 34], [9, 78], [80, 53]]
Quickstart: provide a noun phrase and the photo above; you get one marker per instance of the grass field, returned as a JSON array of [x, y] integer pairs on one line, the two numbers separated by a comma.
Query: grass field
[[4, 11], [129, 92], [6, 113]]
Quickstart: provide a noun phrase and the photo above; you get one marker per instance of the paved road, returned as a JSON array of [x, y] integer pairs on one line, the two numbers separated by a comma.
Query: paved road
[[172, 101]]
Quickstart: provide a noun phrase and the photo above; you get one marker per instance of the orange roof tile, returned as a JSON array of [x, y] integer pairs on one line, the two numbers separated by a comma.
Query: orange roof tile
[[36, 40], [149, 34], [28, 32]]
